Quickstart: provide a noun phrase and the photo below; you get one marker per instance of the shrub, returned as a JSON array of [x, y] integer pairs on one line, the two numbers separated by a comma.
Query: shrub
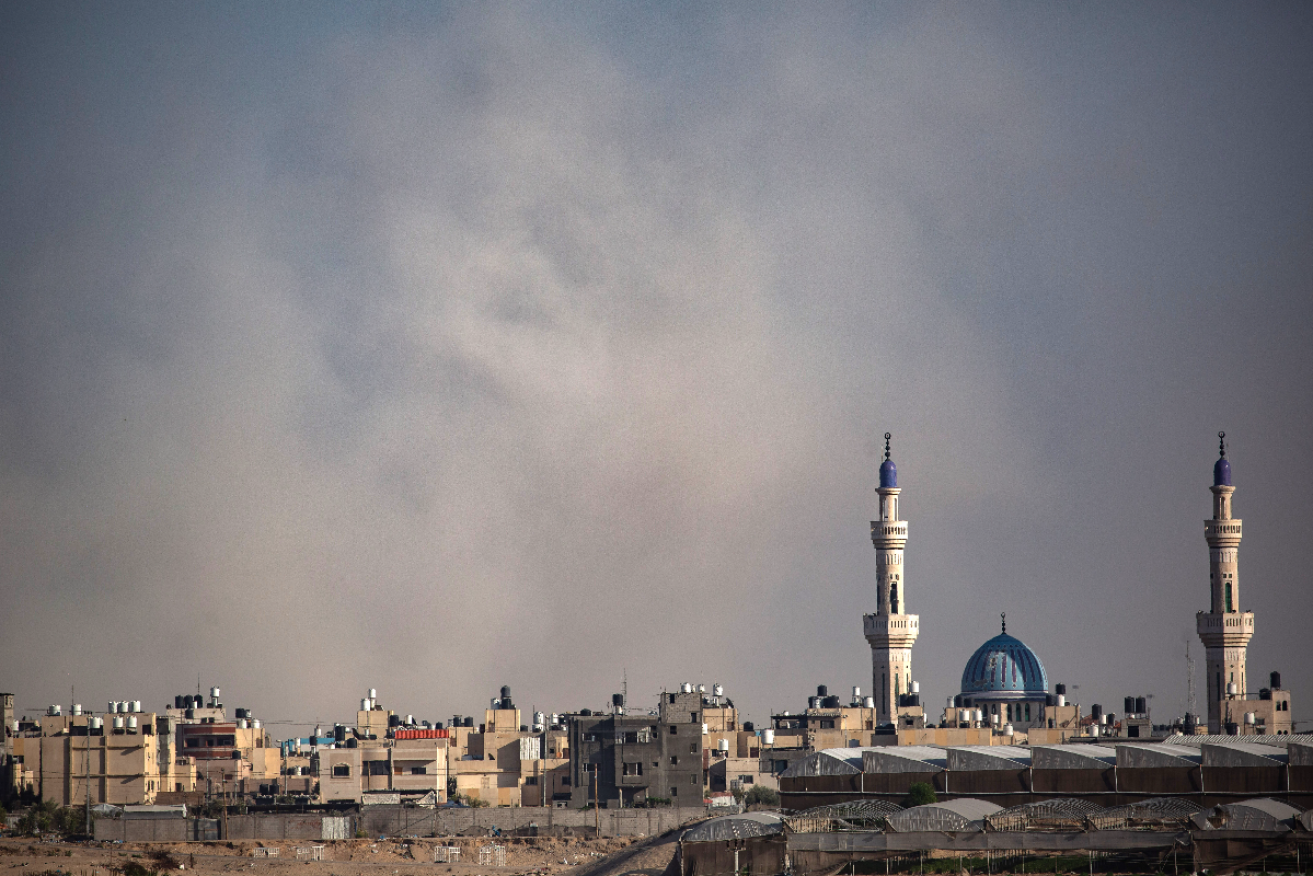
[[760, 795]]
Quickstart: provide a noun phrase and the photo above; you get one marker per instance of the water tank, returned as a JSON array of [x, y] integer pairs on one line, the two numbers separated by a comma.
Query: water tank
[[189, 714], [1060, 690], [768, 737], [704, 729], [77, 708], [1232, 689], [136, 705], [438, 725], [617, 700], [1096, 711], [177, 701], [1128, 705], [52, 710], [241, 723], [506, 691], [1232, 728], [813, 702], [364, 704], [830, 703], [1190, 724], [1142, 705], [1062, 699], [702, 688], [964, 715], [118, 723], [1008, 731], [124, 707], [132, 722], [957, 701], [718, 689], [994, 718], [394, 721], [1103, 719], [255, 723], [214, 692], [339, 733], [686, 688], [916, 699], [96, 723], [723, 745], [868, 703], [916, 687], [373, 694], [1250, 719], [410, 720], [822, 690], [749, 727], [980, 715], [1274, 680], [352, 743], [857, 694], [1094, 730], [113, 707], [469, 722]]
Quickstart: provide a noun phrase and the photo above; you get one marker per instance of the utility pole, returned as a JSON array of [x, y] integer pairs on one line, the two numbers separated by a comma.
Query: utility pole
[[597, 809], [1189, 671]]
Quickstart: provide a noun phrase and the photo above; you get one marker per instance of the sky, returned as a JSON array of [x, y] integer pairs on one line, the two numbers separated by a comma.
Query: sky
[[438, 347]]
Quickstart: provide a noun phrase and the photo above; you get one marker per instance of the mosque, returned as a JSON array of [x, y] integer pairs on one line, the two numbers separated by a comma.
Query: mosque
[[1004, 681]]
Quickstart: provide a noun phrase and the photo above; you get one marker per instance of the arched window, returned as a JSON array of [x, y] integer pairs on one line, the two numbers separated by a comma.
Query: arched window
[[1228, 597]]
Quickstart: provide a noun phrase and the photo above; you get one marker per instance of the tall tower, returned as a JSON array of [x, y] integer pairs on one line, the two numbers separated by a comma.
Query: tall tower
[[1225, 630], [891, 632]]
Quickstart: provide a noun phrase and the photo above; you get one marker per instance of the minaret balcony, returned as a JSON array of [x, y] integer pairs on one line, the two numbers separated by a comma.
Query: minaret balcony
[[891, 630], [1223, 533], [889, 534], [1232, 629]]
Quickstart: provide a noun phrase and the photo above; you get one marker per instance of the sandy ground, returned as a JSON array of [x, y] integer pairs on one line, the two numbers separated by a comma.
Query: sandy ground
[[538, 855]]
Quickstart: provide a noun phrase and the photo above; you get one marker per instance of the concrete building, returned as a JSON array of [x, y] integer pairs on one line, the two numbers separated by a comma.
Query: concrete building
[[890, 631], [1225, 629], [621, 759]]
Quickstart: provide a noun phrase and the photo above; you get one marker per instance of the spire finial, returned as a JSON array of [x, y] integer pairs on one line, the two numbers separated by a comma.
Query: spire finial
[[1004, 615], [887, 436], [1221, 443]]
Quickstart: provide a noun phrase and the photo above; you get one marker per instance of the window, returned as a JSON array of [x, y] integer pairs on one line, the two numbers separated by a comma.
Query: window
[[419, 771], [397, 769], [341, 769], [631, 769], [693, 778], [532, 780], [692, 748], [374, 768], [1228, 596], [1027, 711], [674, 760], [674, 791], [745, 780], [693, 717], [630, 737], [674, 731]]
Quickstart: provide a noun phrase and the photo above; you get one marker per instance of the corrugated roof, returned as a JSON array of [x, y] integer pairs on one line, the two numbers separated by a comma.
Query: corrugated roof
[[1215, 739], [1156, 754], [828, 762], [964, 813], [904, 759], [1072, 757], [734, 827], [1261, 813], [1243, 754], [988, 757]]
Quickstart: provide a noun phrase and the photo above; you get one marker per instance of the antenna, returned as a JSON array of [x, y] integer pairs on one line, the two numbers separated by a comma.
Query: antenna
[[624, 685]]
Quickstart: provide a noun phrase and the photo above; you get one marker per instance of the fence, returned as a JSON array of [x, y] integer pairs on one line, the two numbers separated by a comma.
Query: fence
[[492, 856]]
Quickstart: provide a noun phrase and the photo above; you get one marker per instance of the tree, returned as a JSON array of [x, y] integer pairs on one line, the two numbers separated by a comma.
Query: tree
[[760, 795], [919, 794]]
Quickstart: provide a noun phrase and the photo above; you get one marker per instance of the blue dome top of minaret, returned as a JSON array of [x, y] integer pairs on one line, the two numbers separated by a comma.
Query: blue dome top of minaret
[[1221, 468], [888, 471]]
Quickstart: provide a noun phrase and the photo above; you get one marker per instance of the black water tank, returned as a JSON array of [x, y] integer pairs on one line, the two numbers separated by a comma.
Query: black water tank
[[618, 700], [240, 713], [1190, 725], [351, 743], [339, 733], [1232, 728], [394, 720], [1264, 694], [916, 699], [437, 725], [1061, 690], [506, 691], [1128, 705], [524, 728], [177, 702], [190, 714], [830, 703], [822, 690], [1142, 705], [1051, 699], [957, 701], [587, 713], [469, 722], [1274, 679], [748, 727], [506, 703], [1096, 711]]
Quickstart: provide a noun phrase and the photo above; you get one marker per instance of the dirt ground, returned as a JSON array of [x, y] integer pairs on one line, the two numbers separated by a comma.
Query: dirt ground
[[537, 855]]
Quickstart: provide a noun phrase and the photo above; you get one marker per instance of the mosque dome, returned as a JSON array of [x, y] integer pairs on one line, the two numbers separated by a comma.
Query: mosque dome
[[1004, 668], [1221, 473]]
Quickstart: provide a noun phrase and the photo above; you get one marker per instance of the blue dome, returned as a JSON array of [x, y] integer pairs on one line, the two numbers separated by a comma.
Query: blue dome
[[1004, 665], [1222, 473], [888, 474]]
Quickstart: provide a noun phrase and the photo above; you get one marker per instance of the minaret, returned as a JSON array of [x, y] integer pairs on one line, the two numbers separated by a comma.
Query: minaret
[[890, 631], [1225, 630]]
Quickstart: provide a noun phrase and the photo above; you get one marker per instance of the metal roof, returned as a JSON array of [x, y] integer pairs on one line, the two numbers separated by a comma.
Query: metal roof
[[828, 762], [904, 759], [1156, 754], [855, 815], [1072, 757], [1216, 739], [1064, 813], [988, 757], [1262, 813], [1156, 812], [1243, 754], [734, 827], [964, 813]]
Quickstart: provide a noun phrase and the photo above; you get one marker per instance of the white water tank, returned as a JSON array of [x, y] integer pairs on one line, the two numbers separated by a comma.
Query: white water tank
[[993, 719], [718, 689], [1232, 689], [214, 693], [77, 708], [704, 729], [1007, 730], [916, 687], [132, 722], [256, 723], [241, 723], [686, 688], [723, 745], [113, 707], [136, 705], [364, 704], [980, 715], [963, 715], [1062, 699], [52, 710], [1094, 730], [410, 720], [373, 694], [123, 707], [868, 703], [768, 737], [96, 723], [1103, 719], [118, 723], [1251, 718], [702, 688]]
